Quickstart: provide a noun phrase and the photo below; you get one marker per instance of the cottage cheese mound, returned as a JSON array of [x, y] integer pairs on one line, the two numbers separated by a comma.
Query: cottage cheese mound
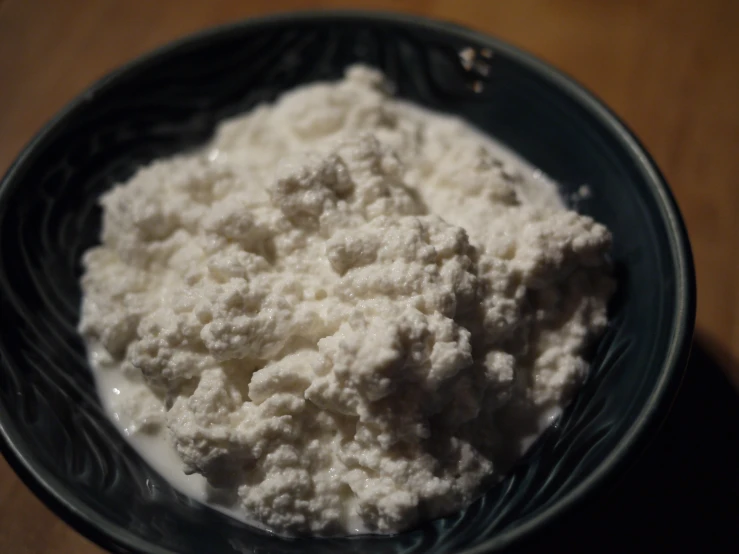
[[346, 313]]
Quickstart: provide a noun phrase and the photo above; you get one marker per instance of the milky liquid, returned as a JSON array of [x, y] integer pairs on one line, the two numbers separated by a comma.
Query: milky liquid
[[156, 448]]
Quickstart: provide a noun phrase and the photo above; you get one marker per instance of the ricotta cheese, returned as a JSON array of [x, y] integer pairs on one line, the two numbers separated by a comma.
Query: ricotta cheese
[[345, 315]]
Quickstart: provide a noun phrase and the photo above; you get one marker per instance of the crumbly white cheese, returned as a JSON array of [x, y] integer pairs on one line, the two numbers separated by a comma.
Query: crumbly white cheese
[[348, 312]]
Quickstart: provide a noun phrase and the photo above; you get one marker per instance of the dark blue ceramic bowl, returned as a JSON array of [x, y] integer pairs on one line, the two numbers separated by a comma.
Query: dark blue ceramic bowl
[[52, 429]]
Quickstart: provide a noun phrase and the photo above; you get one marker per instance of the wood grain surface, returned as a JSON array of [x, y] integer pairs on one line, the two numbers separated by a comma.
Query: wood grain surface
[[669, 68]]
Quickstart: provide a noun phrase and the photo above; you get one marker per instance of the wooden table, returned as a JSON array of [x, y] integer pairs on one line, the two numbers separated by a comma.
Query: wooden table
[[670, 68]]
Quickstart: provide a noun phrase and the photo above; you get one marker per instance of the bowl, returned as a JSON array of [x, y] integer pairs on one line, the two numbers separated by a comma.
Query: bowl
[[52, 428]]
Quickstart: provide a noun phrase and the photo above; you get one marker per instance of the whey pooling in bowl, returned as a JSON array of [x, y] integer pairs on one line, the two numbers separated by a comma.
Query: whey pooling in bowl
[[344, 315]]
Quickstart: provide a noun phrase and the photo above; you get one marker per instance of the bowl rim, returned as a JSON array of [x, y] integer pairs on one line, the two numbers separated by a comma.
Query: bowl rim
[[86, 521]]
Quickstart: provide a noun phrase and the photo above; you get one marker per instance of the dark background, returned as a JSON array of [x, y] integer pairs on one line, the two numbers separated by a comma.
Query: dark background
[[682, 494]]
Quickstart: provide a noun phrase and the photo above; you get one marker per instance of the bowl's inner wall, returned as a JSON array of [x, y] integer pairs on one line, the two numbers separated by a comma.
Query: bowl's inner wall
[[49, 216]]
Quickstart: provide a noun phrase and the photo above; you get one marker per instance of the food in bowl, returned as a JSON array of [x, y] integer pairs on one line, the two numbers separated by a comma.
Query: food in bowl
[[345, 315]]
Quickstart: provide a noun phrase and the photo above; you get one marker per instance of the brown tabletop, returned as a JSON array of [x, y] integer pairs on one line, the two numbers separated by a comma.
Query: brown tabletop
[[669, 68]]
